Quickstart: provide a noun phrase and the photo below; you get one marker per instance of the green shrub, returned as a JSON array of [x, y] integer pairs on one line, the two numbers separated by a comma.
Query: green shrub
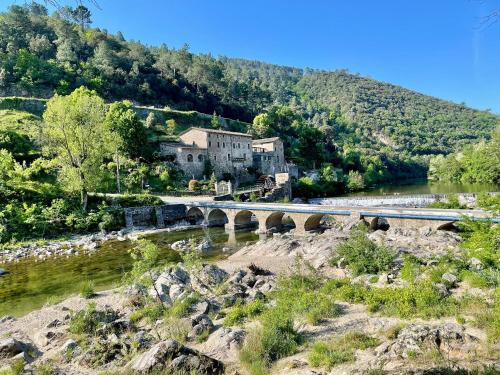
[[87, 321], [193, 185], [410, 269], [489, 202], [364, 256], [279, 338], [180, 307], [451, 203], [251, 354], [418, 299], [339, 350], [488, 278], [239, 312], [87, 289], [152, 312]]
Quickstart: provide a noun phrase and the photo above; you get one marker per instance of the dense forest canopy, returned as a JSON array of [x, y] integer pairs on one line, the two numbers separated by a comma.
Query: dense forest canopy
[[357, 124]]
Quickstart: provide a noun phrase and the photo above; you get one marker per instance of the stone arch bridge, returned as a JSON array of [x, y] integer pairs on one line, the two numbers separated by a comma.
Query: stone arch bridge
[[306, 217]]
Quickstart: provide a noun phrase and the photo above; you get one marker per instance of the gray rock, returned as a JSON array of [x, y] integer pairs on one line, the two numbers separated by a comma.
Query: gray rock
[[7, 318], [2, 271], [448, 338], [69, 345], [442, 289], [204, 246], [237, 277], [212, 275], [201, 323], [44, 337], [180, 245], [10, 347], [449, 278], [476, 264], [171, 355], [200, 307]]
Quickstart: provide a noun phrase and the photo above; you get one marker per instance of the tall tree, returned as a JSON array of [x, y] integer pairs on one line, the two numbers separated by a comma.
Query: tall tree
[[124, 122], [76, 136]]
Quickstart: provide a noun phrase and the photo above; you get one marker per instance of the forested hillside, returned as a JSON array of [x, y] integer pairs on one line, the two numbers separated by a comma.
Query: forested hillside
[[371, 130]]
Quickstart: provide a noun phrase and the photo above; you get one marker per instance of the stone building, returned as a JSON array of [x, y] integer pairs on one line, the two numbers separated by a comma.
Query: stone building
[[268, 155], [226, 152]]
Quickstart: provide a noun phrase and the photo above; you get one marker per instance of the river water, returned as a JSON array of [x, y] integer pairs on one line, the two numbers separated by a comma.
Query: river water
[[426, 187], [30, 283]]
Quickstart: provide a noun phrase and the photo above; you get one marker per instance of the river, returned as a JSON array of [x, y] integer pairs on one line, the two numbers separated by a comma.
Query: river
[[426, 187], [30, 283]]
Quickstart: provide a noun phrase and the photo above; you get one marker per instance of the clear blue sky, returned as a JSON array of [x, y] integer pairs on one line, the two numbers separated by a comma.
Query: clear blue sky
[[436, 47]]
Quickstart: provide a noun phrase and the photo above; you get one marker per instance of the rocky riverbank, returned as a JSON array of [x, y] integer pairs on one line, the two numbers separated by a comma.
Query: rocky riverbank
[[203, 318], [80, 244]]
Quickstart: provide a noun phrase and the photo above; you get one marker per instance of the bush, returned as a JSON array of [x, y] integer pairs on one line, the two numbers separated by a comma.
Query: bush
[[194, 185], [416, 300], [239, 312], [362, 255], [88, 321], [180, 307], [87, 289], [339, 350]]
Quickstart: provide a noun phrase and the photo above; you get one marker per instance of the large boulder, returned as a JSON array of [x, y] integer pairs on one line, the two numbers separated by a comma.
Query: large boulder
[[211, 275], [10, 347], [171, 284], [224, 344], [174, 357], [450, 339]]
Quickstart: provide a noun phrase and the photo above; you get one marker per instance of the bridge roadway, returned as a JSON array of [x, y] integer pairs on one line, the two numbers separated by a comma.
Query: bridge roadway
[[307, 217]]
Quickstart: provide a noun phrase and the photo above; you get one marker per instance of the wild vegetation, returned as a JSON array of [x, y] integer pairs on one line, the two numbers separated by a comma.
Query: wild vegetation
[[479, 163]]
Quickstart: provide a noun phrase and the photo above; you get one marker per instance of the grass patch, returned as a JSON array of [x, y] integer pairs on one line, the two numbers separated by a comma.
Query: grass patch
[[87, 321], [239, 312], [339, 350], [87, 289], [419, 299], [275, 339], [151, 311], [363, 255], [180, 308]]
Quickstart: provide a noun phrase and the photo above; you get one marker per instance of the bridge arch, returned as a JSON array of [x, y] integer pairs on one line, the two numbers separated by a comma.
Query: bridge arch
[[195, 216], [379, 223], [217, 218], [274, 221], [245, 218], [313, 222]]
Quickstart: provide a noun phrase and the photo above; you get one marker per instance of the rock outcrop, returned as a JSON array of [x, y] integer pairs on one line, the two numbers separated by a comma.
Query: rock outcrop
[[172, 356]]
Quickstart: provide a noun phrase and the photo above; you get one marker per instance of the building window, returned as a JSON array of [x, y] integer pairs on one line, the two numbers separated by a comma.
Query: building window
[[239, 145], [248, 146], [223, 144], [200, 157], [218, 144], [215, 157], [228, 157], [190, 158], [209, 143], [234, 145], [245, 156], [277, 159]]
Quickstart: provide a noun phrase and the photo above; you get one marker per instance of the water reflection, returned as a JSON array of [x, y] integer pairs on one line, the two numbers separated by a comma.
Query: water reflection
[[30, 282]]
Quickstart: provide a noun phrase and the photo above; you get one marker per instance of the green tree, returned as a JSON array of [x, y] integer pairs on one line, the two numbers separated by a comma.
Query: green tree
[[124, 122], [75, 135], [214, 122], [171, 127]]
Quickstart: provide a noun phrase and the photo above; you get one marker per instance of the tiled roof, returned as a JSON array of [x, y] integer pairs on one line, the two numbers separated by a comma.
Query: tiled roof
[[215, 131], [265, 140]]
